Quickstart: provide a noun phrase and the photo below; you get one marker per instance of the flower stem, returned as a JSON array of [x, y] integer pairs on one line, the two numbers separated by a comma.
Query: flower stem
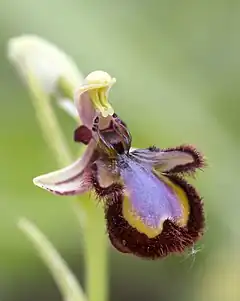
[[48, 122], [96, 255], [95, 238]]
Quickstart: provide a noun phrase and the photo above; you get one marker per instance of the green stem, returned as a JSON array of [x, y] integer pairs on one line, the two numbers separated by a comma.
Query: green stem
[[48, 122], [95, 238], [96, 255]]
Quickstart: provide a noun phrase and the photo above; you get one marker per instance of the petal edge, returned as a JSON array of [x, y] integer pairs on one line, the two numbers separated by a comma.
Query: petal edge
[[71, 180]]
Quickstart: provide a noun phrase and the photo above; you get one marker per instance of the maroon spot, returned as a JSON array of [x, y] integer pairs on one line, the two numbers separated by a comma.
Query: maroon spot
[[82, 134]]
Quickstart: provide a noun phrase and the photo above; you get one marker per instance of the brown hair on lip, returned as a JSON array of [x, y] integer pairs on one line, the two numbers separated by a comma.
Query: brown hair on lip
[[173, 238], [113, 191]]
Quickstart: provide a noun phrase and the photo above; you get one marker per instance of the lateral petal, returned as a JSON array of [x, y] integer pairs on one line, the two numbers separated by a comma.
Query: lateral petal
[[71, 180], [184, 158]]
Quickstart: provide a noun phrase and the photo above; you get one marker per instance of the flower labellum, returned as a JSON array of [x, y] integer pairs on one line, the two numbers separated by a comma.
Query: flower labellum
[[151, 211]]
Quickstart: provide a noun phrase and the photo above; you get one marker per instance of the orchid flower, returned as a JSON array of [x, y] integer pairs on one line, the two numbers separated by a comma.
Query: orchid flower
[[151, 211]]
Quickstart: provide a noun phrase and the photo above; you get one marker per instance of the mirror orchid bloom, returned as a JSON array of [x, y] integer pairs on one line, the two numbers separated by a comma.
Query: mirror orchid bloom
[[151, 210]]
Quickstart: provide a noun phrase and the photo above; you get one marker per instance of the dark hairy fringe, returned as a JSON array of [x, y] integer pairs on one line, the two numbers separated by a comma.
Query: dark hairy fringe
[[172, 239], [199, 161], [113, 191]]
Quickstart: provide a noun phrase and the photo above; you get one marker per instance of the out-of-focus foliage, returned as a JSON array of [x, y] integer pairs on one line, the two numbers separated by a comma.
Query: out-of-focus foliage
[[177, 67]]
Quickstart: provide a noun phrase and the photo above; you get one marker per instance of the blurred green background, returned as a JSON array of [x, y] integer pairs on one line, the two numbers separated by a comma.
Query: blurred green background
[[177, 66]]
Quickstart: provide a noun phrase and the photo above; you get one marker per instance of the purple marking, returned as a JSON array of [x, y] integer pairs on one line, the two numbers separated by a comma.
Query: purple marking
[[152, 199]]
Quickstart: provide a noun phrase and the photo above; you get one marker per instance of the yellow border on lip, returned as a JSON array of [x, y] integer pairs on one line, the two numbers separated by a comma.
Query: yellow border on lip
[[135, 221]]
